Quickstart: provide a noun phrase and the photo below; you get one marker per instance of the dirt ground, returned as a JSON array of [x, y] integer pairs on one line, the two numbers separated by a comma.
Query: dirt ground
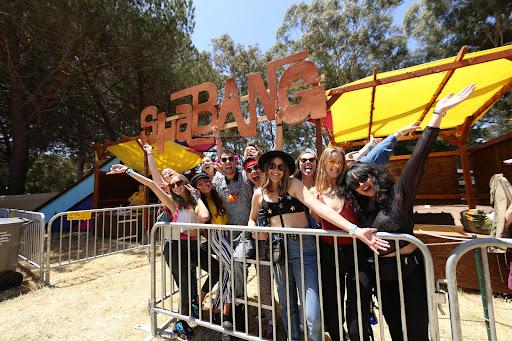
[[106, 298]]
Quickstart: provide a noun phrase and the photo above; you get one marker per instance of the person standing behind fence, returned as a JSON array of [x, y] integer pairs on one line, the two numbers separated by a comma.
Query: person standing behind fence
[[183, 205], [284, 200], [388, 206], [219, 243], [327, 189], [235, 193], [253, 174]]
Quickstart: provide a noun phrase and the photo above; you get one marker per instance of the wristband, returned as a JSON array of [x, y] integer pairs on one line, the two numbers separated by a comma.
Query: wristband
[[352, 229], [438, 112], [128, 170]]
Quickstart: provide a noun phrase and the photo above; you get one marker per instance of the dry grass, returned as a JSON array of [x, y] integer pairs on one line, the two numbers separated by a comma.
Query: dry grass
[[104, 299]]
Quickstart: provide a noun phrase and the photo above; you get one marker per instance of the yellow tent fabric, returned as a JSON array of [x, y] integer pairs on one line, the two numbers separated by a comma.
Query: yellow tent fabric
[[175, 156], [400, 103]]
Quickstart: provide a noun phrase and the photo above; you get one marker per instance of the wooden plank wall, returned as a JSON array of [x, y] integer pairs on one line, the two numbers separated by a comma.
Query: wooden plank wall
[[440, 180], [487, 160]]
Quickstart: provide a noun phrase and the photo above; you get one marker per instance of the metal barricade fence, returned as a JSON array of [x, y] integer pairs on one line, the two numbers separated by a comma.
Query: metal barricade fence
[[178, 296], [451, 279], [32, 240], [78, 236]]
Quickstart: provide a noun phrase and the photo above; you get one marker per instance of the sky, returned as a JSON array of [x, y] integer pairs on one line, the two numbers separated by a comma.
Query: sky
[[249, 22]]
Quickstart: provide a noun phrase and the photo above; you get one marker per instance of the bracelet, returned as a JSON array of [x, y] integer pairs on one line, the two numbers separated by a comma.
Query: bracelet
[[441, 113], [128, 170], [352, 229]]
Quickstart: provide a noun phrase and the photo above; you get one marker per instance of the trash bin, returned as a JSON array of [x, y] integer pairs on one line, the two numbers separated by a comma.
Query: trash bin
[[11, 230]]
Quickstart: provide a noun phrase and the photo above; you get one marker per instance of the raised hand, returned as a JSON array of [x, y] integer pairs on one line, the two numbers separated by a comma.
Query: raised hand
[[147, 148], [367, 236], [452, 100], [117, 169], [408, 129], [374, 141], [193, 192]]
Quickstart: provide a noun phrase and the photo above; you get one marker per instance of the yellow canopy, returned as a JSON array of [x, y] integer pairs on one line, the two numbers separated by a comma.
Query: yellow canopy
[[401, 96], [175, 156]]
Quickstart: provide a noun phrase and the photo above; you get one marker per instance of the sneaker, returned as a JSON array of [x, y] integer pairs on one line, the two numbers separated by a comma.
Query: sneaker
[[228, 326], [183, 330]]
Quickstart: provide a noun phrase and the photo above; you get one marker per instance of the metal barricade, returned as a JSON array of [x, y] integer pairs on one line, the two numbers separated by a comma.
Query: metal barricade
[[32, 240], [301, 248], [451, 279], [78, 236]]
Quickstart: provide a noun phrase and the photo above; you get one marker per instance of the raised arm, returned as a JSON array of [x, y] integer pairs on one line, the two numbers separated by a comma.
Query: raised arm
[[413, 169], [166, 199], [218, 140], [381, 153], [299, 191], [201, 210], [155, 173]]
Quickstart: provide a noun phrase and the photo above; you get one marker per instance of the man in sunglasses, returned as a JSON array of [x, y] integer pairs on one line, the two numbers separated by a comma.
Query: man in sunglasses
[[252, 172], [236, 194]]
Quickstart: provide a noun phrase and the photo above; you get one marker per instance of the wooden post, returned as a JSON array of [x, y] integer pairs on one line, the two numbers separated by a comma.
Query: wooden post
[[464, 160], [96, 194], [319, 144]]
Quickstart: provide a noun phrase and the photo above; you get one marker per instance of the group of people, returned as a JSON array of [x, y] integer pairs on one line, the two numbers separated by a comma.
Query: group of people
[[352, 192]]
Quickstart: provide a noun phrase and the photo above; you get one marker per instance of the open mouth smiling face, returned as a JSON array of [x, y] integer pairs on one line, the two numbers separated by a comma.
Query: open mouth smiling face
[[307, 164], [366, 186]]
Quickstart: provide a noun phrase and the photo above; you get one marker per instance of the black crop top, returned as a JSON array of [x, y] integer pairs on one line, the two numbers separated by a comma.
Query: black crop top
[[288, 204]]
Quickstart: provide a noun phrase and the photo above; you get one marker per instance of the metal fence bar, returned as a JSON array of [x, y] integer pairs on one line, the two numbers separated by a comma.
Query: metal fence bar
[[255, 332], [451, 279], [78, 236]]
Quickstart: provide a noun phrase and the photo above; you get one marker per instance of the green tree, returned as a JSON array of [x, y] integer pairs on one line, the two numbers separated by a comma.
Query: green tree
[[77, 72], [442, 27]]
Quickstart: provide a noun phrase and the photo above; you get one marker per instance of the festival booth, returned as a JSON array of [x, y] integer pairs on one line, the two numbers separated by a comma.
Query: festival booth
[[384, 102]]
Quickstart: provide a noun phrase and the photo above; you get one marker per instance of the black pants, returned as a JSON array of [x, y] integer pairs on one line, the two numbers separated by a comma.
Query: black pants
[[182, 250], [415, 297], [330, 291]]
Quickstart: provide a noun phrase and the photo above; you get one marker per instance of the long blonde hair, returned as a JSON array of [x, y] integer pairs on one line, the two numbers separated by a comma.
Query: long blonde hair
[[322, 183]]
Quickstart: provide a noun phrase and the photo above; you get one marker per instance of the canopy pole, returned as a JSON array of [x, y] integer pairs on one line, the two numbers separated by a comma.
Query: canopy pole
[[372, 105], [443, 83]]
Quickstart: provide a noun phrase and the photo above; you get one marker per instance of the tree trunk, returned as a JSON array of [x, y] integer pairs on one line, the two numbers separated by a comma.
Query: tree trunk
[[18, 159]]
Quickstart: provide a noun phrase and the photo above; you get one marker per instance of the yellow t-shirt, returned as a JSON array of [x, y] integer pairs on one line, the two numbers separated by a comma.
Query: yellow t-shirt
[[137, 198], [215, 218]]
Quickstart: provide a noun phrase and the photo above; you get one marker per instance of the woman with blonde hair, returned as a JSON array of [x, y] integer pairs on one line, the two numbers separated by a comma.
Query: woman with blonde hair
[[329, 175]]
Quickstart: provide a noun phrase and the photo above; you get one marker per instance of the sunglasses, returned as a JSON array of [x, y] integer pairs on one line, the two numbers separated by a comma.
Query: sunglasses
[[282, 167], [176, 184], [254, 168], [226, 159], [308, 160], [361, 179]]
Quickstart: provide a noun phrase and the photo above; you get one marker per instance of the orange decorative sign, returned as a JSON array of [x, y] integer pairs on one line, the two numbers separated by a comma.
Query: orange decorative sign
[[309, 102]]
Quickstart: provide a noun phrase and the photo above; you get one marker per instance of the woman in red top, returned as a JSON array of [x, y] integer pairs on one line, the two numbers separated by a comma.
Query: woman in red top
[[327, 188]]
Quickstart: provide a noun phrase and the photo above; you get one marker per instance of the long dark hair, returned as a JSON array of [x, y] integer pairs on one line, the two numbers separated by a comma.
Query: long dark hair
[[188, 200], [283, 184], [221, 210], [383, 182]]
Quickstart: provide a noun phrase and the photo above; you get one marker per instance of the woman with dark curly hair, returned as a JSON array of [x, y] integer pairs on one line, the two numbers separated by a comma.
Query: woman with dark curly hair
[[388, 206]]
